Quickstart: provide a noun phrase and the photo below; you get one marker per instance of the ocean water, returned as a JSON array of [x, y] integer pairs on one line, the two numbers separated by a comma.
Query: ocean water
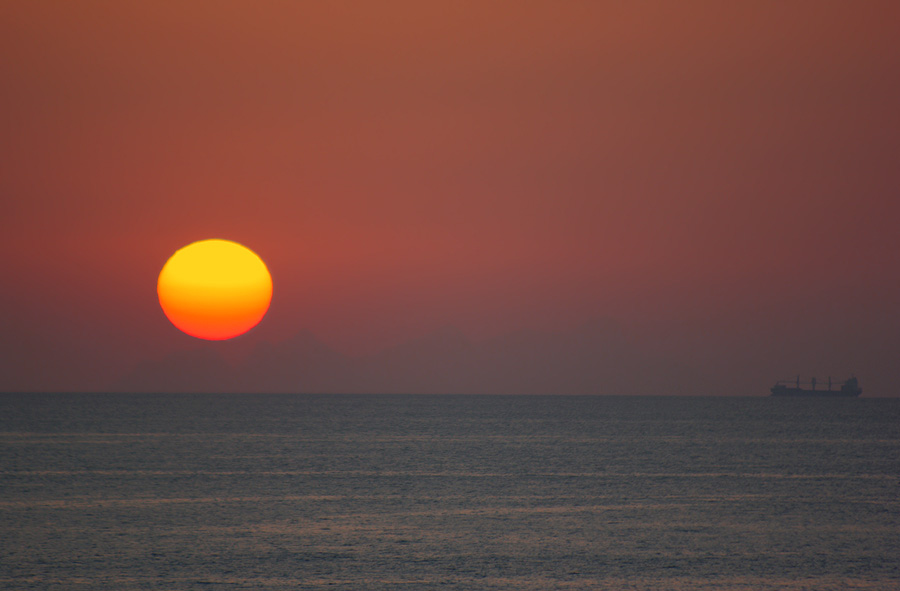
[[284, 492]]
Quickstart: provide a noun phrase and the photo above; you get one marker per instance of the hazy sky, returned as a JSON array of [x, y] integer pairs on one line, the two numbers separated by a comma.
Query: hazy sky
[[719, 179]]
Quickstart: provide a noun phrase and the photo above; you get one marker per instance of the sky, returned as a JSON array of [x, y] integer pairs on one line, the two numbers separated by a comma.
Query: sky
[[707, 188]]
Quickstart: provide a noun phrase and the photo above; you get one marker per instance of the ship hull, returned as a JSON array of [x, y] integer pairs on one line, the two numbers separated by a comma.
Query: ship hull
[[803, 393]]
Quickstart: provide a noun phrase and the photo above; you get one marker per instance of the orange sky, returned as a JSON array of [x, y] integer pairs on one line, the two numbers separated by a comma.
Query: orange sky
[[720, 179]]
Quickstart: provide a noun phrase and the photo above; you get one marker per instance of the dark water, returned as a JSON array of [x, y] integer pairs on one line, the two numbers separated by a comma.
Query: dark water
[[106, 492]]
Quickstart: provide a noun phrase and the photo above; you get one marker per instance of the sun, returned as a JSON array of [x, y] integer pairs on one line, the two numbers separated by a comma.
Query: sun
[[214, 289]]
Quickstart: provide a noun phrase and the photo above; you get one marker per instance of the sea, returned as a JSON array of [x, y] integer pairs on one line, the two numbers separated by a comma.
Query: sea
[[421, 492]]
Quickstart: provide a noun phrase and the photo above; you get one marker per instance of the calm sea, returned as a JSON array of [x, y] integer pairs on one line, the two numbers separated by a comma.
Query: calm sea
[[224, 492]]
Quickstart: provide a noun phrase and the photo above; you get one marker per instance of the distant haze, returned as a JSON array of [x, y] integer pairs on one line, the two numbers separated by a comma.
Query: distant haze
[[570, 197]]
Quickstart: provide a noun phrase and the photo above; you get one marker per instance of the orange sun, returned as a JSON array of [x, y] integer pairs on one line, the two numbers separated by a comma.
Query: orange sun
[[214, 289]]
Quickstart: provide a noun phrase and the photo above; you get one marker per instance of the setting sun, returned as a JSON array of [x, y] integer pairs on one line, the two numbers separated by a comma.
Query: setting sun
[[214, 289]]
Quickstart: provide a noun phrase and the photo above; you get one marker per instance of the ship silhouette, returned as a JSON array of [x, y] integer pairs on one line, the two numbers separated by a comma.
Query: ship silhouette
[[850, 388]]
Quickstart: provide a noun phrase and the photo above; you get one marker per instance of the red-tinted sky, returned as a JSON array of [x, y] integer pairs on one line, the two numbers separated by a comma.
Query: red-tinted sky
[[720, 179]]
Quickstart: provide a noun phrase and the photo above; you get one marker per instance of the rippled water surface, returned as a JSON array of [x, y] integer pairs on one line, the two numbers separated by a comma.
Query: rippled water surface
[[123, 492]]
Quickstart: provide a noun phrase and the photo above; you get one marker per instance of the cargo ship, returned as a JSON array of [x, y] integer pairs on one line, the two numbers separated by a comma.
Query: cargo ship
[[796, 388]]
